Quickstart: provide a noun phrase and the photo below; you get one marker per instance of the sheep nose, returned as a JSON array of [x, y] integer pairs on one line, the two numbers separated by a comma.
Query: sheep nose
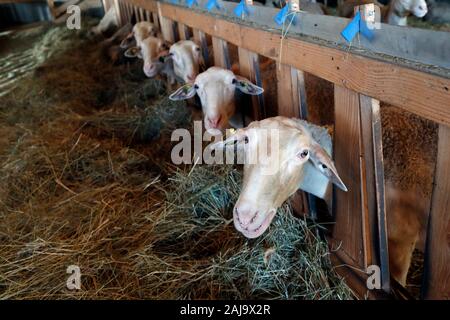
[[214, 121], [245, 215]]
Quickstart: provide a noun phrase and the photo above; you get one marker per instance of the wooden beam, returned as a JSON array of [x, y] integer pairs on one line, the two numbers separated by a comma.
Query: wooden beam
[[156, 20], [437, 258], [424, 94], [221, 56]]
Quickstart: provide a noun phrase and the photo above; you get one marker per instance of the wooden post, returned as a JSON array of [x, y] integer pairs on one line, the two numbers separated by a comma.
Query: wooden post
[[437, 255], [288, 94], [183, 31], [107, 4], [249, 68], [220, 48], [117, 6], [156, 20], [372, 190], [200, 38], [360, 223], [167, 27], [136, 13]]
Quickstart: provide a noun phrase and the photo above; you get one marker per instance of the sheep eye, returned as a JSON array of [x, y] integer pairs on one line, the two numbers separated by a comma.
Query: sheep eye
[[195, 86], [246, 140], [324, 166], [234, 81], [197, 49], [304, 154]]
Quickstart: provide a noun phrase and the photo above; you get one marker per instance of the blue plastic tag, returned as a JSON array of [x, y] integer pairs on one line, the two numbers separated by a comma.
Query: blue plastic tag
[[241, 9], [281, 15], [211, 4], [190, 3], [365, 31], [352, 28]]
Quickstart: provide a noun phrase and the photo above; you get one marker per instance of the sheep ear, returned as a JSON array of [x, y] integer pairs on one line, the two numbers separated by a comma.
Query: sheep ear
[[185, 92], [233, 137], [246, 86], [322, 161], [133, 52]]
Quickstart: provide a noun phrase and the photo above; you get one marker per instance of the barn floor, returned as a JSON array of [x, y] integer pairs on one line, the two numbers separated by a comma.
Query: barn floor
[[86, 179]]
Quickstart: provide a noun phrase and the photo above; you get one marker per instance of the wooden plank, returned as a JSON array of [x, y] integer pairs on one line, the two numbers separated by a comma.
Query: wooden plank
[[372, 190], [156, 20], [221, 57], [249, 68], [148, 16], [200, 38], [424, 94], [299, 90], [437, 258], [136, 14], [288, 102], [141, 14], [347, 206], [289, 106], [167, 27], [183, 31], [118, 7], [107, 4]]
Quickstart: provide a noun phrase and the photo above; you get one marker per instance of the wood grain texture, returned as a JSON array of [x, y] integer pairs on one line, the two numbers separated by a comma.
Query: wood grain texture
[[155, 20], [348, 228], [374, 225], [437, 261], [249, 68], [221, 56], [421, 93], [289, 106], [167, 26], [200, 39], [183, 31]]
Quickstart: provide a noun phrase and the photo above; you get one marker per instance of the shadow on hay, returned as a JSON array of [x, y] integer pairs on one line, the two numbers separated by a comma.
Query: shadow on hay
[[86, 179]]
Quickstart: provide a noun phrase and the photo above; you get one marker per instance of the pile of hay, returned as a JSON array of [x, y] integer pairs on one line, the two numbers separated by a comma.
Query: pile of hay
[[86, 179]]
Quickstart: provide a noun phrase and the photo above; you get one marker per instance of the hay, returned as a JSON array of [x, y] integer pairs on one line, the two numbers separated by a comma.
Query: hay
[[86, 179]]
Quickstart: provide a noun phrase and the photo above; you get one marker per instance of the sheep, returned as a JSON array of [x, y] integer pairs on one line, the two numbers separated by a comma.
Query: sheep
[[108, 22], [149, 51], [187, 60], [299, 158], [396, 13], [216, 89], [141, 31]]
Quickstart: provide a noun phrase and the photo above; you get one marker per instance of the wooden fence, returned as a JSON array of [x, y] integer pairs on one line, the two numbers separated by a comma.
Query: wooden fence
[[408, 68]]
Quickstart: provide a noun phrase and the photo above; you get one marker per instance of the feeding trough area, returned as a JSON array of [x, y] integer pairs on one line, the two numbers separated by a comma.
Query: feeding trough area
[[110, 134]]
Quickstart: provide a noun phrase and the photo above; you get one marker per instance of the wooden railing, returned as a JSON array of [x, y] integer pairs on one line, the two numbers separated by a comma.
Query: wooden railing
[[408, 68]]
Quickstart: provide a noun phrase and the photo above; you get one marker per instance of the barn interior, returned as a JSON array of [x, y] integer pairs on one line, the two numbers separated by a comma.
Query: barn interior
[[87, 177]]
